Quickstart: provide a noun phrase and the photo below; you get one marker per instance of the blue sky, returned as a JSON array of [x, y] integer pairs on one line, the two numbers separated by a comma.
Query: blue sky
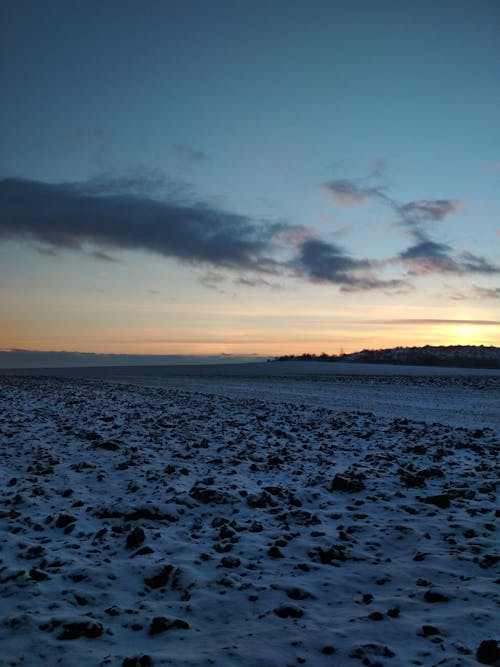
[[249, 177]]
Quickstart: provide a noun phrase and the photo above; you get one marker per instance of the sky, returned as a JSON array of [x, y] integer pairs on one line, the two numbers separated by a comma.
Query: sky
[[255, 177]]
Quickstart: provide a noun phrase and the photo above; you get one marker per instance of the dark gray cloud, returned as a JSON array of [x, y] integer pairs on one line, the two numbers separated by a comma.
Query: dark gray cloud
[[110, 213], [424, 256], [143, 211], [428, 257], [72, 215], [470, 263], [426, 249], [433, 210], [431, 257], [327, 262], [356, 191]]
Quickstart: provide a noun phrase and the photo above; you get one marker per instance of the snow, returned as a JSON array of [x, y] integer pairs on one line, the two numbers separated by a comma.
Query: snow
[[455, 400], [269, 521]]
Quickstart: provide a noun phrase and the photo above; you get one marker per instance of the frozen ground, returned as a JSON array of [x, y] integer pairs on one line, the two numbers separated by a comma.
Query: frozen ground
[[454, 396], [457, 400], [261, 522]]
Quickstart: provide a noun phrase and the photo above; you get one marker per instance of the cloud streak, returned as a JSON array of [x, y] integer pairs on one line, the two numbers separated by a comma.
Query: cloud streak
[[493, 323], [111, 214], [356, 191], [28, 359], [487, 292], [424, 256], [143, 212], [348, 192], [431, 257], [432, 210], [68, 216]]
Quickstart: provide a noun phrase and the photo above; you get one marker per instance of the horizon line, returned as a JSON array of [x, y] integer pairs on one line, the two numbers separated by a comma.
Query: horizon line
[[12, 358]]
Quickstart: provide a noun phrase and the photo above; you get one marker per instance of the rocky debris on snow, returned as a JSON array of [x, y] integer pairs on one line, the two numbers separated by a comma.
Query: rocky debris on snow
[[135, 538], [75, 630], [488, 652], [161, 624], [349, 483], [199, 526]]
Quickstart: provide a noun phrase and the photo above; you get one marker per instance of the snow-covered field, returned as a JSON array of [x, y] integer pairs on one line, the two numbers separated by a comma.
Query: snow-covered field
[[258, 522]]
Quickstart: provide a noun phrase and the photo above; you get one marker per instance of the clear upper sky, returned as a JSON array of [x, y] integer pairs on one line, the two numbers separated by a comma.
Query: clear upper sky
[[249, 176]]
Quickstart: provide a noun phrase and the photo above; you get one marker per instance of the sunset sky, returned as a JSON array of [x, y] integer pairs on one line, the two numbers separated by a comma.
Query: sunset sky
[[249, 176]]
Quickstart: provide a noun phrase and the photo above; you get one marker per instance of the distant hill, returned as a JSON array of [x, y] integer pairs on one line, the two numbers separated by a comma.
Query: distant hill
[[460, 356]]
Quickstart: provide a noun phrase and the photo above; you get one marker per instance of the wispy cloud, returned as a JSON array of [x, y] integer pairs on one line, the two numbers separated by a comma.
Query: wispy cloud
[[428, 257], [423, 210], [145, 212], [142, 182], [213, 279], [349, 192], [424, 255], [470, 263], [190, 153], [487, 292], [259, 282], [431, 257], [102, 256], [494, 323], [108, 214], [426, 249]]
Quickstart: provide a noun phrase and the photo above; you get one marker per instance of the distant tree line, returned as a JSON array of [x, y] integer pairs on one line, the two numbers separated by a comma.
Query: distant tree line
[[462, 356], [310, 357]]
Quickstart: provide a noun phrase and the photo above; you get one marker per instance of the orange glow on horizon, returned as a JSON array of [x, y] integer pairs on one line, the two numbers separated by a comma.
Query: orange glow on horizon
[[274, 342]]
